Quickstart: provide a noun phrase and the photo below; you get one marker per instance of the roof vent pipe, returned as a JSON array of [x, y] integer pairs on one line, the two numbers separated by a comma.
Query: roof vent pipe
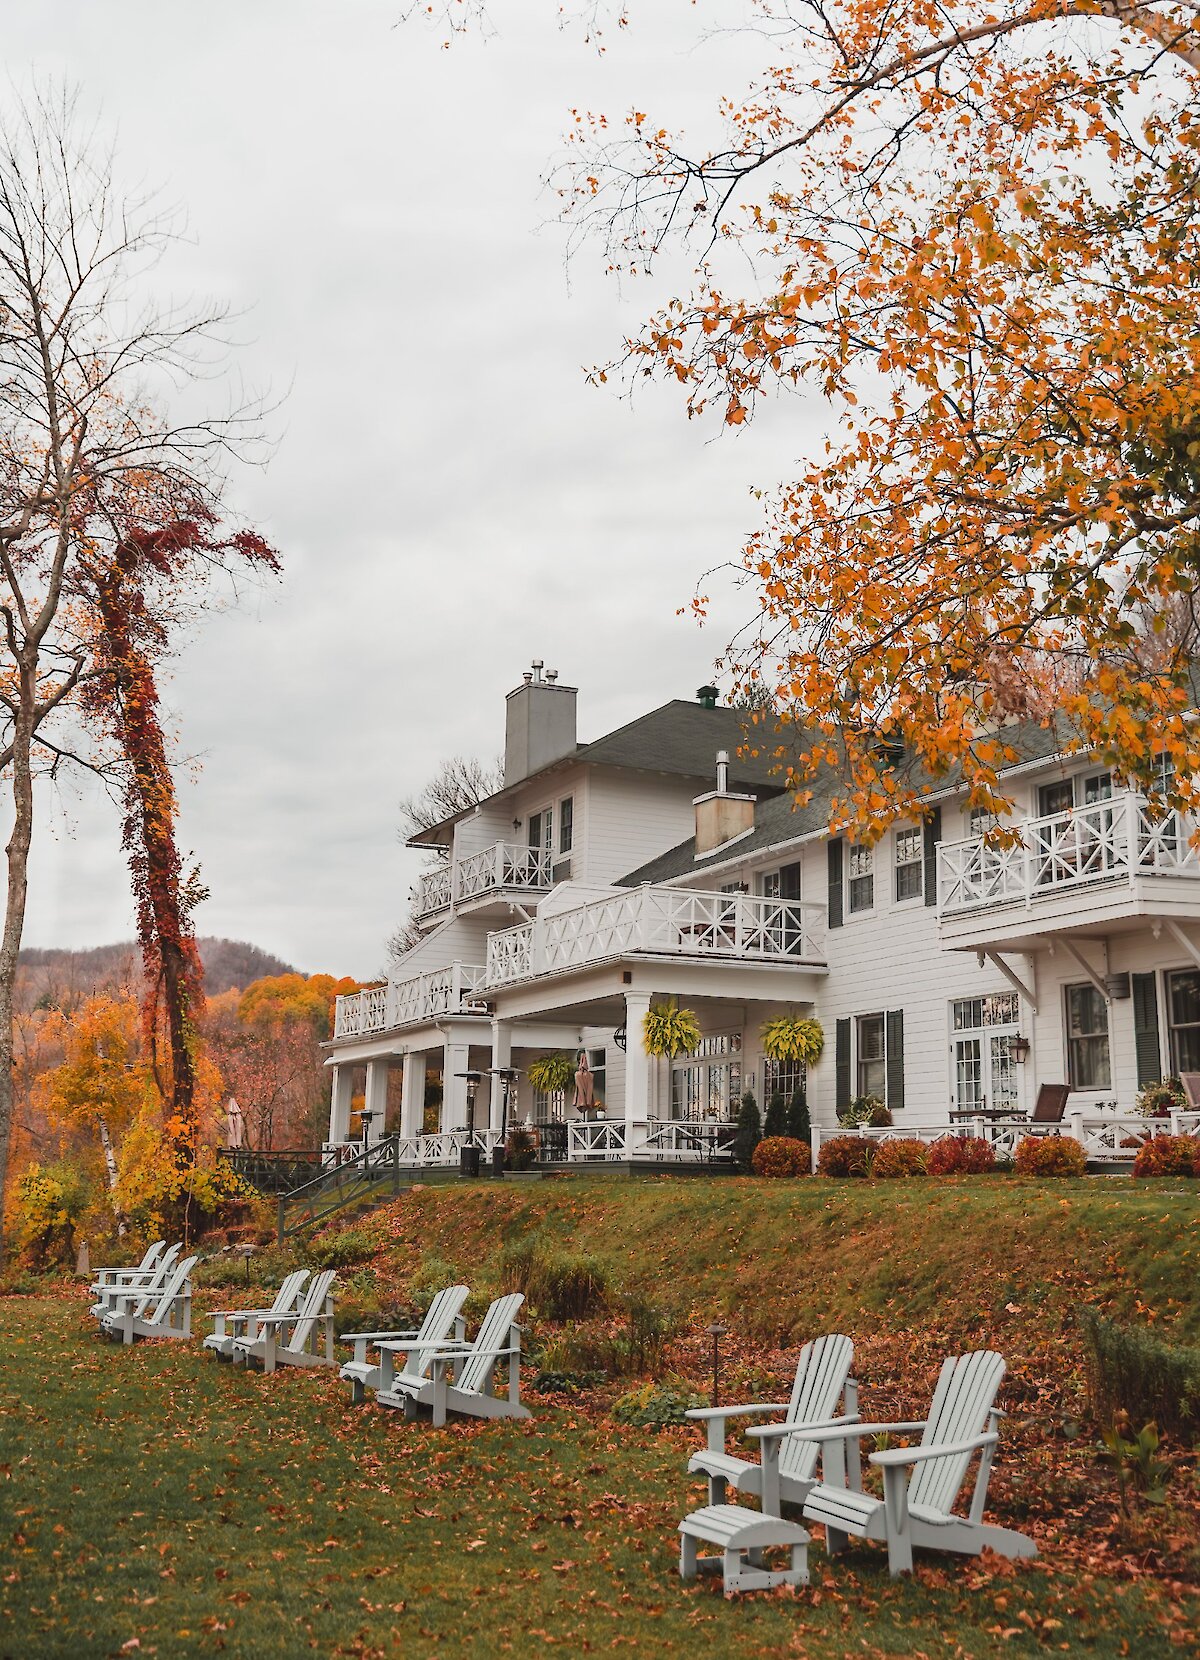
[[722, 772], [538, 665], [551, 676]]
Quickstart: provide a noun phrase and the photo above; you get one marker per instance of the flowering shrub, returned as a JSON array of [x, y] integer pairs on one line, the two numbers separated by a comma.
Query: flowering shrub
[[897, 1157], [1050, 1155], [1168, 1155], [845, 1155], [960, 1155], [781, 1155]]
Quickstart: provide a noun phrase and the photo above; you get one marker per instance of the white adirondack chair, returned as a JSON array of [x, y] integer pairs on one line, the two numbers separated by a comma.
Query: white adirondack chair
[[498, 1338], [789, 1466], [294, 1339], [443, 1323], [921, 1484], [243, 1322], [111, 1276], [149, 1280], [164, 1313]]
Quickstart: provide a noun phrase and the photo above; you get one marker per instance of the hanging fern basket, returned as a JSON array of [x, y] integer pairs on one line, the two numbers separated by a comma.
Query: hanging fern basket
[[551, 1074], [669, 1031], [789, 1039]]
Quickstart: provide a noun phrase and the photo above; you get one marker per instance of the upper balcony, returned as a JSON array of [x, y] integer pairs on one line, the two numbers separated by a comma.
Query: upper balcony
[[660, 921], [483, 880], [1098, 866], [425, 997]]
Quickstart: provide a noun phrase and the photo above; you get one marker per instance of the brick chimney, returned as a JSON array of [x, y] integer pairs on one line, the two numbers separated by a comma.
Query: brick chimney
[[721, 815], [539, 723]]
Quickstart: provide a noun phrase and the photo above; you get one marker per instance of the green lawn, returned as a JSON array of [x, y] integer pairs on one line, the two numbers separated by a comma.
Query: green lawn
[[158, 1502]]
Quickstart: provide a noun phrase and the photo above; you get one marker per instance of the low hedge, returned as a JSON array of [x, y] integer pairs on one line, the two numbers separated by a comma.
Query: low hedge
[[1050, 1155], [846, 1155], [781, 1155], [1168, 1155], [896, 1157], [961, 1155]]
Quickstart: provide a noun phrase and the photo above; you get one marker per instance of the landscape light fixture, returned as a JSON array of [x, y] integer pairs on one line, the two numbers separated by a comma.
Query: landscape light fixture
[[716, 1331]]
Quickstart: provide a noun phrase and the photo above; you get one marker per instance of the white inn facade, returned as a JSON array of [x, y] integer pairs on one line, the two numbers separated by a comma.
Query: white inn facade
[[656, 863]]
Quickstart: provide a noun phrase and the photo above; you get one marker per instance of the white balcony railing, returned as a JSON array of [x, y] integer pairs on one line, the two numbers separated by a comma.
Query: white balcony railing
[[1108, 841], [434, 890], [407, 1002], [503, 865], [660, 920]]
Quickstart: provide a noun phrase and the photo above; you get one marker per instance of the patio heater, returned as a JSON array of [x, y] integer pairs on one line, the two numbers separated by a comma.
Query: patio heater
[[470, 1152], [508, 1076]]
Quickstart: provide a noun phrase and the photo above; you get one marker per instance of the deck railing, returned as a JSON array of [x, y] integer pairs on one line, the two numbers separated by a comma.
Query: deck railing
[[434, 890], [1107, 841], [660, 920], [407, 1002], [504, 865]]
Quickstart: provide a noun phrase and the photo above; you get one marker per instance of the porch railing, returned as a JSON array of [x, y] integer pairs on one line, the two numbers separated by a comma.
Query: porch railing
[[503, 865], [434, 890], [1107, 841], [670, 921], [408, 1002], [1106, 1138]]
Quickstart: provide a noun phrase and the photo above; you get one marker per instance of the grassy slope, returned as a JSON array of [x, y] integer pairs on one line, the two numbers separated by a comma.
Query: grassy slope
[[156, 1496]]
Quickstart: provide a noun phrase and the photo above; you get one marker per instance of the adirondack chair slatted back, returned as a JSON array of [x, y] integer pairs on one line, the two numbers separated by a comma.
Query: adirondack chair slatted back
[[1051, 1103], [153, 1287], [173, 1287], [491, 1339], [436, 1327], [821, 1373], [289, 1291], [150, 1260], [310, 1311], [965, 1393]]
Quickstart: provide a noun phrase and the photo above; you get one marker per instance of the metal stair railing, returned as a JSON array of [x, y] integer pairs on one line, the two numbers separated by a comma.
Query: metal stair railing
[[343, 1184]]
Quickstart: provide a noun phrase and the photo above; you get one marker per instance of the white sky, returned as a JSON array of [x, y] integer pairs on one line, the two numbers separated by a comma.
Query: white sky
[[450, 498]]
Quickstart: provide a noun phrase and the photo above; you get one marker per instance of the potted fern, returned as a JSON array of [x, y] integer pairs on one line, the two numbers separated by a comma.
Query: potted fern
[[793, 1038], [552, 1074], [668, 1031]]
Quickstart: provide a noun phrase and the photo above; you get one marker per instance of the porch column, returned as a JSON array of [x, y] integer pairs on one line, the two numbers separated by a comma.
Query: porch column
[[637, 1066], [456, 1058], [339, 1103], [501, 1056], [412, 1095], [376, 1097]]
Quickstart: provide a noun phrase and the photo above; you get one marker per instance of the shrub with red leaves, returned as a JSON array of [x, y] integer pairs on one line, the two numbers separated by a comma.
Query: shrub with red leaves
[[1050, 1155], [845, 1155], [960, 1155], [1168, 1155], [781, 1155], [897, 1157]]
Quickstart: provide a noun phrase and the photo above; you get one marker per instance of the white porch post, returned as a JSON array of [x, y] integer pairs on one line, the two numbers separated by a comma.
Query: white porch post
[[456, 1059], [339, 1103], [501, 1056], [412, 1096], [376, 1097], [637, 1068]]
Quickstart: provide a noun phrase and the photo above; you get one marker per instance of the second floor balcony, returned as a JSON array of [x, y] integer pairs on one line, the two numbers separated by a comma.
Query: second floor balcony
[[411, 1002], [660, 921], [1102, 861]]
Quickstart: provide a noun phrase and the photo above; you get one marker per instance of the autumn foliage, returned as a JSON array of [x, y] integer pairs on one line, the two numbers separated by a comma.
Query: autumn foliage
[[845, 1155], [1168, 1155], [966, 1155], [1049, 1155], [781, 1155], [896, 1157]]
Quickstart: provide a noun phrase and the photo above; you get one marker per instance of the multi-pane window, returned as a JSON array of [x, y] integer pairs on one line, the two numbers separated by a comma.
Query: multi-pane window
[[998, 1008], [862, 878], [872, 1056], [1183, 1005], [1088, 1065], [566, 824], [708, 1084], [980, 820], [783, 1078], [769, 885], [541, 830], [910, 863]]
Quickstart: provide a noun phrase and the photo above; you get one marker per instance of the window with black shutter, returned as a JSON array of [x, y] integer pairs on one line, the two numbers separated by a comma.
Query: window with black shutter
[[836, 868], [1145, 1030]]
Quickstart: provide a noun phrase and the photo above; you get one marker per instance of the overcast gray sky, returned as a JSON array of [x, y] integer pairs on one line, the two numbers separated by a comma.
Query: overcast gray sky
[[450, 498]]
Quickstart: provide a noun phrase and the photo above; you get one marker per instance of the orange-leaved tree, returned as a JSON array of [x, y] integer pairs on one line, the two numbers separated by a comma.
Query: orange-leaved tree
[[974, 233]]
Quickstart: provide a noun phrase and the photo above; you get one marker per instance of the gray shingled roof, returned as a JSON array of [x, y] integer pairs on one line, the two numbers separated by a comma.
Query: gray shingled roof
[[683, 739]]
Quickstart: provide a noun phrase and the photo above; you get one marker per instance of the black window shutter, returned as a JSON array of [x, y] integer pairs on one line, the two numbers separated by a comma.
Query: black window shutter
[[933, 835], [842, 1064], [789, 882], [894, 1050], [836, 862], [1145, 1030]]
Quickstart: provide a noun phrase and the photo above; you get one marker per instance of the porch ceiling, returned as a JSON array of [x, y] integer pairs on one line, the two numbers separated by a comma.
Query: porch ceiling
[[595, 994]]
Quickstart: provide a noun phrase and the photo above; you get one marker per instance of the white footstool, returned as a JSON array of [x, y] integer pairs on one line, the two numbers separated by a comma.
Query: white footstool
[[742, 1535]]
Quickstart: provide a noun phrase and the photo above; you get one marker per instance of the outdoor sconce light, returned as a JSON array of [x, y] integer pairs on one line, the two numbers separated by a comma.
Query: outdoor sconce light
[[516, 824], [620, 1038], [1020, 1049]]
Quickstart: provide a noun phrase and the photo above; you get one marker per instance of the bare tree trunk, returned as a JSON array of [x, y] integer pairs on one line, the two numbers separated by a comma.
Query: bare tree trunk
[[110, 1165], [17, 854]]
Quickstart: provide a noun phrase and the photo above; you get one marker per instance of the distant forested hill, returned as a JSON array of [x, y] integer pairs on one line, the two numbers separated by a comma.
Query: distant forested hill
[[226, 963]]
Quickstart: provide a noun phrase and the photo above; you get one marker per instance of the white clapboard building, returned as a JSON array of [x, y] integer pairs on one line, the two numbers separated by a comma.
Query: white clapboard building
[[950, 976]]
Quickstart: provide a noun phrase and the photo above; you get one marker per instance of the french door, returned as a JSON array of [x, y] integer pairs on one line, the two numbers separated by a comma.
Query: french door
[[986, 1075]]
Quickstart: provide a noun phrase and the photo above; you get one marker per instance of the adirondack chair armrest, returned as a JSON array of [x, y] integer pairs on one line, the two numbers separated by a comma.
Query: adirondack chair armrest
[[126, 1294], [271, 1319], [702, 1413], [894, 1457], [373, 1336], [836, 1429], [237, 1313]]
